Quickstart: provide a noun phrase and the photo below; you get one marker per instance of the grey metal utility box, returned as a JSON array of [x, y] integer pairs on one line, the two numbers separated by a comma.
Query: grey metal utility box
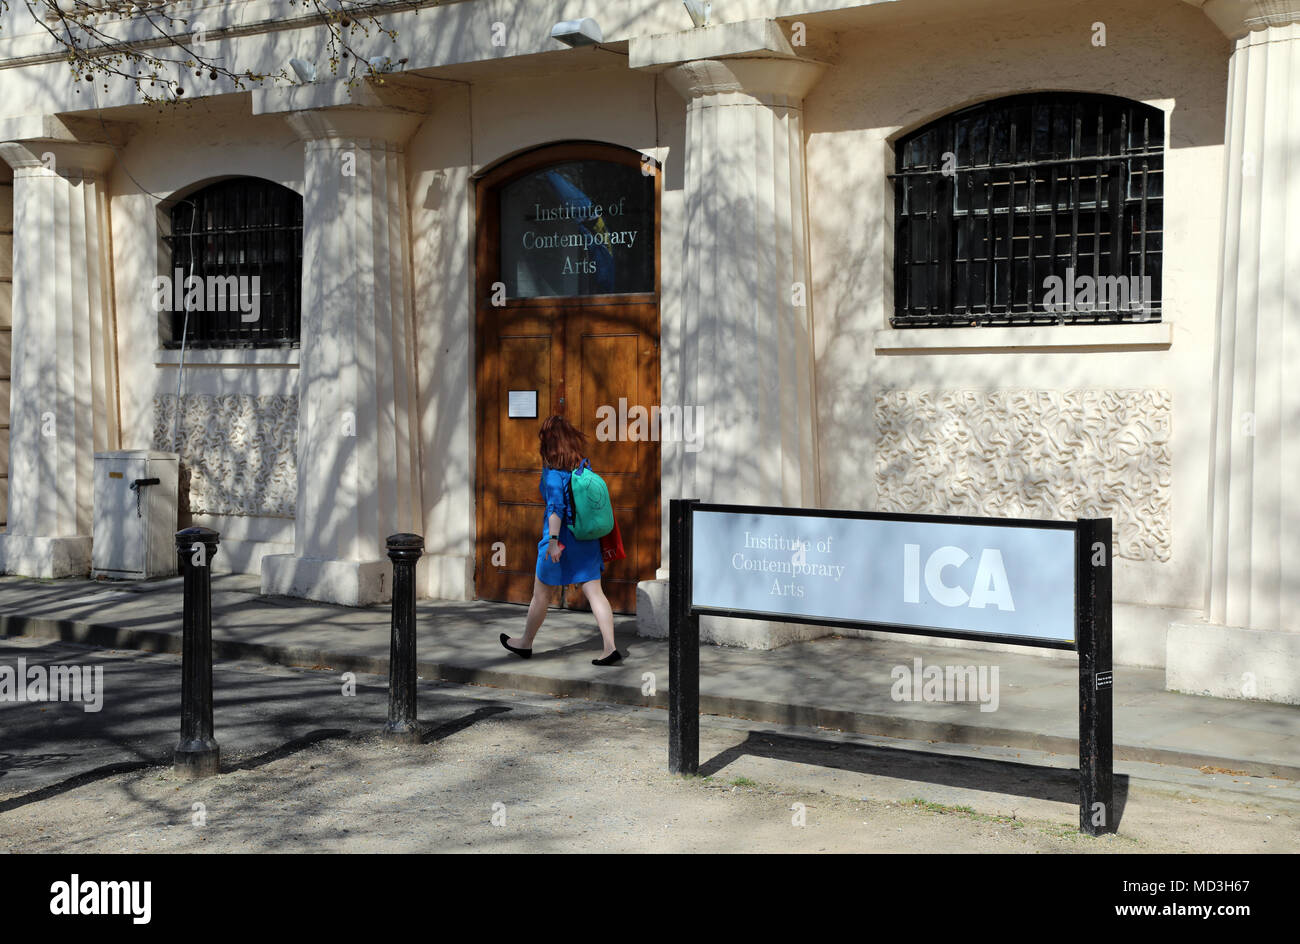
[[135, 514]]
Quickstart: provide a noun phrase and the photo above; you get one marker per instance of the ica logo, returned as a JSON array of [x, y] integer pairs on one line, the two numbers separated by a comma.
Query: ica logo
[[989, 588]]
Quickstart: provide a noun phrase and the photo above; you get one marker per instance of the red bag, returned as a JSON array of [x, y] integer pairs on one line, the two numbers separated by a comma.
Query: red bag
[[611, 545]]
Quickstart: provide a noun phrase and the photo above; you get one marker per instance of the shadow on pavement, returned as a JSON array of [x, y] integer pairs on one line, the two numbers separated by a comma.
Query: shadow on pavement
[[287, 749], [113, 770], [312, 738], [1060, 784], [456, 725], [80, 780]]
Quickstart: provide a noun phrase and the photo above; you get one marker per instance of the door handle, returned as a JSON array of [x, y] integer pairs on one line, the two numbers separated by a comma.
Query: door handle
[[138, 487]]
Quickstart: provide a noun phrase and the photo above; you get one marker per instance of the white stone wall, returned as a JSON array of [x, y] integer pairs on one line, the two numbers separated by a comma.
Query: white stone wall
[[867, 97], [251, 394], [1141, 396], [1048, 454], [1166, 54]]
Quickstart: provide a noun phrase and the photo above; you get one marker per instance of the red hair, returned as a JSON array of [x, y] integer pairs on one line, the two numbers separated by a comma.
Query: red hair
[[562, 444]]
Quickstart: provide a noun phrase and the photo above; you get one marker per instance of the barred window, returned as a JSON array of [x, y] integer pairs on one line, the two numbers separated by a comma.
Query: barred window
[[1035, 209], [243, 237]]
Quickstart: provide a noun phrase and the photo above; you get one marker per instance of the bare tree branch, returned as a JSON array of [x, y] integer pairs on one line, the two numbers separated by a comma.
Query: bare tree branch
[[179, 59]]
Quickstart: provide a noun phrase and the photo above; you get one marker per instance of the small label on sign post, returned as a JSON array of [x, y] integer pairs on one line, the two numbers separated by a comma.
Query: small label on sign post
[[1105, 679]]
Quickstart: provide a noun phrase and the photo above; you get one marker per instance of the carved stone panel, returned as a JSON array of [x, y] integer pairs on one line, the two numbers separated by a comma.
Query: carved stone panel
[[1031, 454], [238, 451]]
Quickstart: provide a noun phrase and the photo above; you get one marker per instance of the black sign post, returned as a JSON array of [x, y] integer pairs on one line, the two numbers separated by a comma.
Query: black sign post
[[683, 646], [405, 551], [1092, 640], [1092, 617], [197, 754]]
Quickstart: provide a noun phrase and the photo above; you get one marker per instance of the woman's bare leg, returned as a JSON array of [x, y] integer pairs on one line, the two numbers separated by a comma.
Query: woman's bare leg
[[536, 614], [603, 612]]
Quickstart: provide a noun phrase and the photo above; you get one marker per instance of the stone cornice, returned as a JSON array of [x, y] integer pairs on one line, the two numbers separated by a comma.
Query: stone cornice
[[750, 58], [765, 81], [747, 38], [354, 124], [395, 92], [320, 111], [85, 143], [1238, 18], [69, 158]]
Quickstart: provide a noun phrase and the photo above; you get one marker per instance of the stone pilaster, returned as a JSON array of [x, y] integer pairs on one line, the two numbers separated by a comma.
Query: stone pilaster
[[747, 303], [1251, 646], [745, 328], [64, 387], [358, 458]]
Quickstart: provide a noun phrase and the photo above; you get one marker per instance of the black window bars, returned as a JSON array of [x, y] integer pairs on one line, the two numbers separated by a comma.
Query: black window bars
[[1034, 209], [248, 230]]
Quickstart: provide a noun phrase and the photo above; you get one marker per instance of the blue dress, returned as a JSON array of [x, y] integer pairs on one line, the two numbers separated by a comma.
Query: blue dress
[[581, 560]]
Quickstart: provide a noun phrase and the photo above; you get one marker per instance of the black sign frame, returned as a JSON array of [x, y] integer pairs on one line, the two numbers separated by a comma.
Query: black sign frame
[[1092, 639]]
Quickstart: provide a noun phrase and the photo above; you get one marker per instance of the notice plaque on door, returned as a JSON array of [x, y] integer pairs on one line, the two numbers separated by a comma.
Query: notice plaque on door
[[522, 404]]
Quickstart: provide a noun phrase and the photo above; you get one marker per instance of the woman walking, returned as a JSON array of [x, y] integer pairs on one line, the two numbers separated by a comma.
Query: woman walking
[[561, 558]]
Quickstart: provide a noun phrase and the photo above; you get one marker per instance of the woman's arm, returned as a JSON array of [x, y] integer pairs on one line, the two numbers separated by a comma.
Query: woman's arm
[[556, 505], [553, 545], [553, 492]]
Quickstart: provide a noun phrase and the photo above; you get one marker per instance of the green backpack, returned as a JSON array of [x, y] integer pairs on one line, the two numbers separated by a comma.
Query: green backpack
[[593, 515]]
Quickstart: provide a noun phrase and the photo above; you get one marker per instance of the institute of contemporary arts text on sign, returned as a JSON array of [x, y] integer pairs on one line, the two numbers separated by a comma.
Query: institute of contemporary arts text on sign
[[964, 579]]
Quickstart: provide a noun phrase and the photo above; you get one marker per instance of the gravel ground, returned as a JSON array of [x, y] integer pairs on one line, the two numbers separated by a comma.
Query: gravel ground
[[513, 772]]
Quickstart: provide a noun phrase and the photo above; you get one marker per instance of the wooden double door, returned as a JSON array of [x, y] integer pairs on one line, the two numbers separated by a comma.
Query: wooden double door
[[594, 360]]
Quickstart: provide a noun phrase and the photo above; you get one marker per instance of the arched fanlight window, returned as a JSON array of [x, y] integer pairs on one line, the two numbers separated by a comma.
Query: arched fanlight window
[[1035, 209], [242, 240], [578, 228]]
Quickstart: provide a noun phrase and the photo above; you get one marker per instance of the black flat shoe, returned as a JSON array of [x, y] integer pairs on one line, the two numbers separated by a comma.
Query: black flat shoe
[[521, 653], [614, 658]]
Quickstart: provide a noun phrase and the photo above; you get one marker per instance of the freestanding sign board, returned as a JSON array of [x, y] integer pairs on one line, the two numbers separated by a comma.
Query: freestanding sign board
[[1033, 583]]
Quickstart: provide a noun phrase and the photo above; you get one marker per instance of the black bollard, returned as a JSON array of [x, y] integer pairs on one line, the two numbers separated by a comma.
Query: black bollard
[[405, 551], [197, 754]]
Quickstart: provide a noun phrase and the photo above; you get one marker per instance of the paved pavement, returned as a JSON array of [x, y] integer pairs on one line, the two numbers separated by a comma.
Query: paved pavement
[[836, 683], [303, 769], [261, 713]]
